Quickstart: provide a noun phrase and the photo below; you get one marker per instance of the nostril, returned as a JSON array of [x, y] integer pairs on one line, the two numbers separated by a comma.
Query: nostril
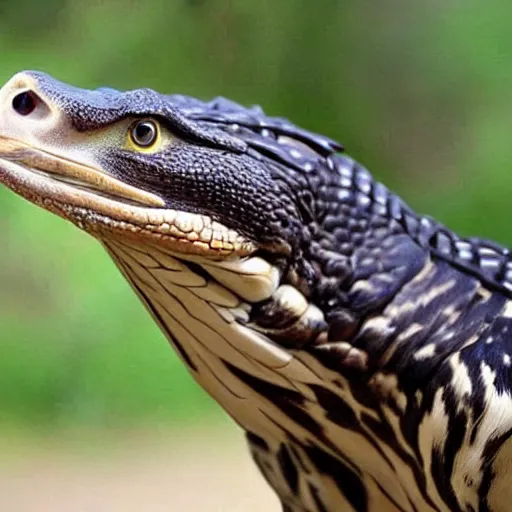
[[25, 103]]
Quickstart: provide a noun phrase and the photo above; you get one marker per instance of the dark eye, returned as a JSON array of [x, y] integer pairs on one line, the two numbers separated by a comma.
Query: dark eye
[[144, 133], [25, 103]]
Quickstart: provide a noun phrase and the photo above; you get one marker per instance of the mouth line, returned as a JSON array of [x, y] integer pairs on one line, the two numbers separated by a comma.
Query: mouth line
[[77, 175], [108, 216], [76, 184]]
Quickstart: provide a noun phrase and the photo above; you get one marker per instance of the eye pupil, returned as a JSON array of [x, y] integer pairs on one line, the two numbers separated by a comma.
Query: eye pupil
[[144, 133], [25, 103]]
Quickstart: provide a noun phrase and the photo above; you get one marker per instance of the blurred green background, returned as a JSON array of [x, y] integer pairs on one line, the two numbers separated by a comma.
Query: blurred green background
[[420, 92]]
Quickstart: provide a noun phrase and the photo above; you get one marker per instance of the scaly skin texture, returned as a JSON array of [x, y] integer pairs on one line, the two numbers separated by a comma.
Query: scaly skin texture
[[365, 349]]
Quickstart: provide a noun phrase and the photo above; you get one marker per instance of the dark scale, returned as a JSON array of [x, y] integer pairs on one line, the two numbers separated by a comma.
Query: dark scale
[[356, 231], [359, 231], [402, 328]]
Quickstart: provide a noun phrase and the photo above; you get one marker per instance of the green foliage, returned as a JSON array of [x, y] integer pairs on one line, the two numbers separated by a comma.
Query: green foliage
[[419, 92]]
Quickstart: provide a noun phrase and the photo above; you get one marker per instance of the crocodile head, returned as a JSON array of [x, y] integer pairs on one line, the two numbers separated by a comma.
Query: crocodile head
[[151, 167], [215, 192]]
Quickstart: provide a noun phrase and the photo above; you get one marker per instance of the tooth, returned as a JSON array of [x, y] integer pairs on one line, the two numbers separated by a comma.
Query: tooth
[[197, 224], [202, 245], [176, 232], [184, 223], [206, 234], [156, 218], [170, 216]]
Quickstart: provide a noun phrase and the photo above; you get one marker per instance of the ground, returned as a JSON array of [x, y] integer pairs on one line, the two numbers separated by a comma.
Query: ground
[[135, 473]]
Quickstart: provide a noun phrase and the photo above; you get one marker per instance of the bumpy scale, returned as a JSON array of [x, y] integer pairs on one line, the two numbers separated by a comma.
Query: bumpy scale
[[365, 349]]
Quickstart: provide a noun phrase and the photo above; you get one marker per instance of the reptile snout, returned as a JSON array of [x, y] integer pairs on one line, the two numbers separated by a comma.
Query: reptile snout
[[25, 112]]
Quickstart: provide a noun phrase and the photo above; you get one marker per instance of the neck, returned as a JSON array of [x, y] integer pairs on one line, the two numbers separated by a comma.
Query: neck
[[369, 258], [365, 243]]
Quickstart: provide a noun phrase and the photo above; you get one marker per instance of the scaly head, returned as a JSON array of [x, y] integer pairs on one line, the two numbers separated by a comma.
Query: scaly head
[[146, 166], [215, 185]]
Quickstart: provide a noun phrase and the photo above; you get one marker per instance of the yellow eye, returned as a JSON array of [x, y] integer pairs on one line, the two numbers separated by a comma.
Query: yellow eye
[[144, 134]]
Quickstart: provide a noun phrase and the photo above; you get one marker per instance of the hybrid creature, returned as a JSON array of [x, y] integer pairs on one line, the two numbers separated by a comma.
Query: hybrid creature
[[366, 350]]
